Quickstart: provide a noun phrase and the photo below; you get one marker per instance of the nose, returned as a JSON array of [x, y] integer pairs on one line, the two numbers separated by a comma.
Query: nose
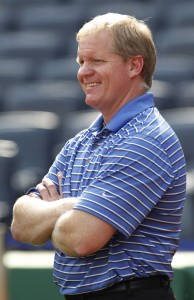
[[85, 70]]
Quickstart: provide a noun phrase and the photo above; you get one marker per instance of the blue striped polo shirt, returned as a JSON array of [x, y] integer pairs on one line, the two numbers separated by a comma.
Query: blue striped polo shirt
[[131, 174]]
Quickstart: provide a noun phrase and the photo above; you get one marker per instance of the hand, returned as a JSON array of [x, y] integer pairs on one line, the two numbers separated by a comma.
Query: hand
[[48, 191]]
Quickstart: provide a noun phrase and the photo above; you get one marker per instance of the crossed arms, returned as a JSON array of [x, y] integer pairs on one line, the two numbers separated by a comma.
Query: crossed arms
[[38, 219]]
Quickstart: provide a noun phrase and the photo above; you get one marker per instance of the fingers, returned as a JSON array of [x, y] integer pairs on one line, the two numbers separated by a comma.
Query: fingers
[[60, 175], [47, 190]]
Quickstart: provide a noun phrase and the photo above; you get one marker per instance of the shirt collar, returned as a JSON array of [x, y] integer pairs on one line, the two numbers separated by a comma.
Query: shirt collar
[[125, 114]]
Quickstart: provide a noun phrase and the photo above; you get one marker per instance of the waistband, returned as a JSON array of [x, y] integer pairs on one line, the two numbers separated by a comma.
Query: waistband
[[152, 282]]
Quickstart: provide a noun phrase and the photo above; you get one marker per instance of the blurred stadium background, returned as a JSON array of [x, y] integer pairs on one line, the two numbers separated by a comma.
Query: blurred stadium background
[[42, 105]]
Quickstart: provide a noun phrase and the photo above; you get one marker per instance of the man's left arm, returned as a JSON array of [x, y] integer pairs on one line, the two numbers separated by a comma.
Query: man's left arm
[[76, 233]]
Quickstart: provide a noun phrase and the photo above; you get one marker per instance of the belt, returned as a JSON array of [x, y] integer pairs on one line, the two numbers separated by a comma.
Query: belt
[[152, 282]]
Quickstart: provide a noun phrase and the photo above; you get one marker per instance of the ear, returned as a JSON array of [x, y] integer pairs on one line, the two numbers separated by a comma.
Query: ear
[[136, 65]]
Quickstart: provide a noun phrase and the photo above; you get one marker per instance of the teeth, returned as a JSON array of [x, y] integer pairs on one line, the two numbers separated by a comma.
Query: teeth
[[92, 84]]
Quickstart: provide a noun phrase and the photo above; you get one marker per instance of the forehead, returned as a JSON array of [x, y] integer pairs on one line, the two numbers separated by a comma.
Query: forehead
[[100, 42]]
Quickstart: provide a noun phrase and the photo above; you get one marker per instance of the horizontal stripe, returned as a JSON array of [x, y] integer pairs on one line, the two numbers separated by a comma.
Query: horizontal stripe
[[132, 176]]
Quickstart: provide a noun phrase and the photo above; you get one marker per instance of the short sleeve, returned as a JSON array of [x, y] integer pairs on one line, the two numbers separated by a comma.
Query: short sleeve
[[133, 177]]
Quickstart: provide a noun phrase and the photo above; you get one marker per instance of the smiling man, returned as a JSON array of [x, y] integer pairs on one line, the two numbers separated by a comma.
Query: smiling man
[[107, 80], [112, 201]]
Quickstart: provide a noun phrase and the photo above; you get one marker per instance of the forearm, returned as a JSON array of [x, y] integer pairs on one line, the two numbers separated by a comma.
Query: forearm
[[62, 238], [34, 219], [78, 233]]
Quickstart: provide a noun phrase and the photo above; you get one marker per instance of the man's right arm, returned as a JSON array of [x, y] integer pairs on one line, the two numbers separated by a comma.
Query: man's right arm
[[34, 219]]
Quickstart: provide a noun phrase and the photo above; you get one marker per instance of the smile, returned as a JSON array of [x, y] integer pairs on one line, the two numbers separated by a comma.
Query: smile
[[91, 84]]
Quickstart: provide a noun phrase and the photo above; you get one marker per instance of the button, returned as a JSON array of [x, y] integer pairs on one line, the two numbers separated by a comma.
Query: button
[[87, 161]]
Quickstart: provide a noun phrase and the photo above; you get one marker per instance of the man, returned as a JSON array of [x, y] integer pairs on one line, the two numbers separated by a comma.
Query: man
[[112, 201]]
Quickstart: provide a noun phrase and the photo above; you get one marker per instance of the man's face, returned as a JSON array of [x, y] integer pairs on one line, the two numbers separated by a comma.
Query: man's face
[[103, 74]]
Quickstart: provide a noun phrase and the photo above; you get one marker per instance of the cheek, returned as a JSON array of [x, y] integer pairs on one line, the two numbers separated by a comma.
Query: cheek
[[121, 72], [119, 80], [124, 78]]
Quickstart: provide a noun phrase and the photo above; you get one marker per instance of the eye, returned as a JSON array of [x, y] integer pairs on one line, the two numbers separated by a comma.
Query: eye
[[97, 61]]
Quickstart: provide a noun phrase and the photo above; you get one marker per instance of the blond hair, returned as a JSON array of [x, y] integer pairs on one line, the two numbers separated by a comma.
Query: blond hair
[[131, 37]]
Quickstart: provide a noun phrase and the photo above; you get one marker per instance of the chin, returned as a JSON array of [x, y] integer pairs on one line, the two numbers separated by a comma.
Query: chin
[[91, 103]]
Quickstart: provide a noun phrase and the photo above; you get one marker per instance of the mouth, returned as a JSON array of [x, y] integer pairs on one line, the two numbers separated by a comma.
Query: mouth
[[92, 84]]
